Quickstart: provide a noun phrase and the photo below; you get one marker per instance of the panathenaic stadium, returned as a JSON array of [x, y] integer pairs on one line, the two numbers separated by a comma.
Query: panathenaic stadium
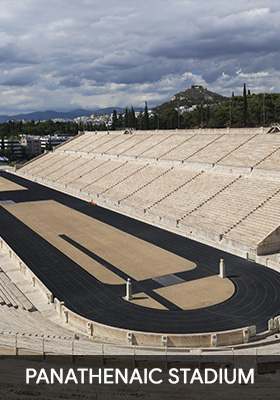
[[143, 239]]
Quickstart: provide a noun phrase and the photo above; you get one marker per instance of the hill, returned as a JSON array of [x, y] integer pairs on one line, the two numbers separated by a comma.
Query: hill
[[51, 114], [195, 95]]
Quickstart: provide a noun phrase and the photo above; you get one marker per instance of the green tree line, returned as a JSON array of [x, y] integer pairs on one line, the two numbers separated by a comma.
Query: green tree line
[[249, 110], [15, 129]]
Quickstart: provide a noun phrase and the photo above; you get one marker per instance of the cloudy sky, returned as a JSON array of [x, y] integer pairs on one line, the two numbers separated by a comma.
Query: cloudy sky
[[67, 54]]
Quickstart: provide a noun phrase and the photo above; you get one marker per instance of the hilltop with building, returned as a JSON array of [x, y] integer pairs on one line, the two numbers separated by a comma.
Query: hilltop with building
[[189, 99]]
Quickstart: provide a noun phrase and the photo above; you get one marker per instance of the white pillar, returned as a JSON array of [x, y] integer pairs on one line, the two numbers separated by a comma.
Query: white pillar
[[222, 268], [128, 289]]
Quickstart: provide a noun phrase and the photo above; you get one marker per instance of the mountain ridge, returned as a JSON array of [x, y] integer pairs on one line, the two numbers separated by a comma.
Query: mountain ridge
[[193, 96], [51, 114]]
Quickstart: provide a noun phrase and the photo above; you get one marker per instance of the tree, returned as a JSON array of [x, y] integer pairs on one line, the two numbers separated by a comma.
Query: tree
[[169, 119], [120, 121], [146, 116], [126, 118], [131, 118], [140, 120], [49, 145], [245, 106], [114, 120]]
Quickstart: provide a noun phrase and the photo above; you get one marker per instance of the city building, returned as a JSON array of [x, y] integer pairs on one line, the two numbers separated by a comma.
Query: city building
[[31, 145]]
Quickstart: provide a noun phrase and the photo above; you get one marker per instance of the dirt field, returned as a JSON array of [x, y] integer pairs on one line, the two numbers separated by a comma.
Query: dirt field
[[7, 186]]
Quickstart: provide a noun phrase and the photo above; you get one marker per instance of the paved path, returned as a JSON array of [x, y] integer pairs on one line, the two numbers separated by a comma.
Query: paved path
[[256, 298]]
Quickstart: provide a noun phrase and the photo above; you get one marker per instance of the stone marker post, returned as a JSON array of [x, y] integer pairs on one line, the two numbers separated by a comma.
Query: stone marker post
[[128, 289], [222, 268]]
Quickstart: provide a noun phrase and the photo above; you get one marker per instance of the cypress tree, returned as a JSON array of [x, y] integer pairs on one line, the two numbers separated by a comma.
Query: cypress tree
[[132, 122], [114, 120], [245, 106], [126, 118], [146, 115]]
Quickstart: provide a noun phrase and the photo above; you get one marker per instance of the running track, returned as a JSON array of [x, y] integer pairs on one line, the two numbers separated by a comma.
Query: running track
[[257, 289]]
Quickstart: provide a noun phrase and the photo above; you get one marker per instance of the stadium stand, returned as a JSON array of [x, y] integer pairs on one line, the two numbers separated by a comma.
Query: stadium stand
[[253, 151], [11, 296], [271, 162], [159, 181], [193, 194], [218, 186], [238, 199], [220, 148], [85, 166], [22, 309], [254, 227], [101, 170]]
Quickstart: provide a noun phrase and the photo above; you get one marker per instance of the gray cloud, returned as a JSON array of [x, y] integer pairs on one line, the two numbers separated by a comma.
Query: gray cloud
[[91, 53]]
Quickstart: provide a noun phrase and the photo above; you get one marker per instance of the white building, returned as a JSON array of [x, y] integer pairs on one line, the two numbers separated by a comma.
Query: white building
[[47, 141], [14, 145]]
